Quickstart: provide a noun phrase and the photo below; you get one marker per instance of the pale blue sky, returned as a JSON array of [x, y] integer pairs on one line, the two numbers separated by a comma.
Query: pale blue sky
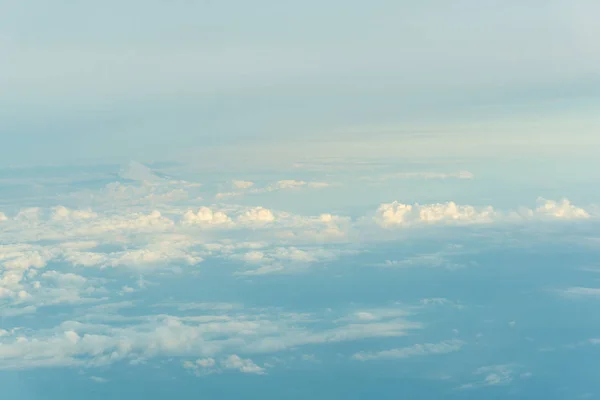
[[156, 79]]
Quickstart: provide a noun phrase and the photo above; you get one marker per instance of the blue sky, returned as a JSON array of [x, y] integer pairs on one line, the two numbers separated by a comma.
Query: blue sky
[[347, 200], [158, 80]]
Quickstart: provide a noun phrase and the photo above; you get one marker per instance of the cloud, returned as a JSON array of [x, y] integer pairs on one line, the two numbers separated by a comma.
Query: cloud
[[207, 366], [3, 217], [562, 209], [286, 259], [136, 171], [294, 184], [242, 184], [206, 216], [495, 375], [257, 215], [63, 213], [399, 214], [396, 214], [202, 366], [246, 366], [286, 184], [202, 334], [98, 379], [416, 350]]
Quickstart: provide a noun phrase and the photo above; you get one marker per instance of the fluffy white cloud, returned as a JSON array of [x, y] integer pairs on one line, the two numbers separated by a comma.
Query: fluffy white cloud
[[135, 222], [206, 216], [258, 215], [246, 366], [425, 349], [63, 213], [562, 209], [399, 214], [3, 217], [242, 184]]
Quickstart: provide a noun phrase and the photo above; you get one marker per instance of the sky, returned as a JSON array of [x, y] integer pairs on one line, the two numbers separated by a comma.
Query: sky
[[272, 199]]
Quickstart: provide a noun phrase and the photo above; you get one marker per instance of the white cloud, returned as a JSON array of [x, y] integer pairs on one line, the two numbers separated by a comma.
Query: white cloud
[[30, 214], [63, 213], [495, 375], [273, 260], [286, 184], [138, 172], [202, 366], [258, 215], [81, 245], [289, 184], [74, 343], [562, 209], [399, 214], [225, 195], [206, 216], [242, 184], [425, 349], [246, 366], [3, 217], [98, 379]]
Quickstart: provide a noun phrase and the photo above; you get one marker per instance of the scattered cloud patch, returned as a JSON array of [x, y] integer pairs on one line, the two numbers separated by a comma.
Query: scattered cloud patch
[[242, 184], [417, 350], [495, 375], [246, 366]]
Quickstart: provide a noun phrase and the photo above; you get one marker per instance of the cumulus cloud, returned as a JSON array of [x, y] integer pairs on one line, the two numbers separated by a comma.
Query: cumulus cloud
[[242, 184], [246, 366], [257, 215], [63, 213], [416, 350], [562, 209], [3, 217], [206, 216], [399, 214]]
